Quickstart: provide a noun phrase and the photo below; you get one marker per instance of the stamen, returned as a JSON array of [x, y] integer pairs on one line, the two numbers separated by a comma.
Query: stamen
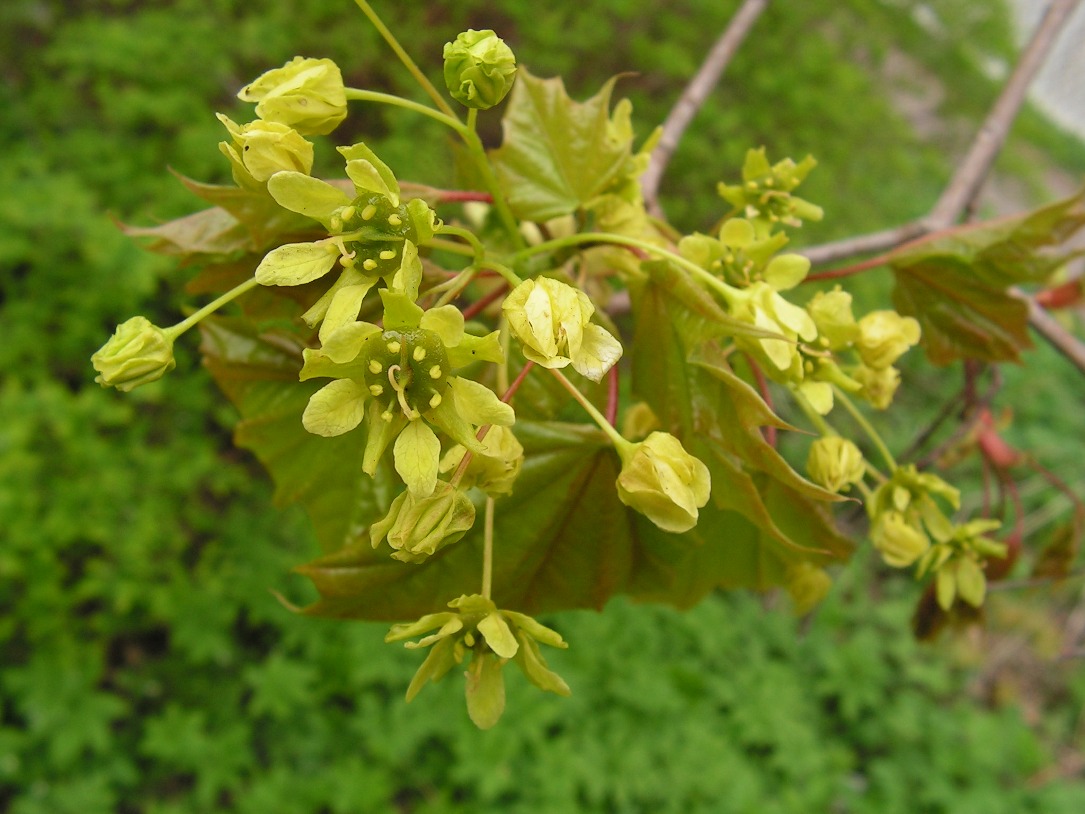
[[393, 347], [436, 400], [347, 212], [369, 212], [376, 389], [375, 366], [395, 220], [369, 264], [419, 353], [435, 372], [387, 254]]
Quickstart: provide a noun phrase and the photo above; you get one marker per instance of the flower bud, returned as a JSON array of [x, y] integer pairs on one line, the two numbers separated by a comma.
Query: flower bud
[[835, 463], [137, 353], [416, 527], [899, 542], [493, 471], [262, 149], [662, 481], [831, 311], [552, 322], [479, 68], [884, 336], [807, 585], [306, 94]]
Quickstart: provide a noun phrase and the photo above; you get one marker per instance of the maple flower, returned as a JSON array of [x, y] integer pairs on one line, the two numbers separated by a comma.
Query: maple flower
[[552, 322], [399, 380], [835, 463], [260, 149], [900, 542], [306, 94], [417, 527], [492, 637], [885, 336], [374, 237], [663, 482]]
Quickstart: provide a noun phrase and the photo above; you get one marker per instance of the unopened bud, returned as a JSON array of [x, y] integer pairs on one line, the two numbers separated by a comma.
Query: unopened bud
[[137, 353], [479, 69], [899, 542], [835, 463], [418, 527], [665, 483], [884, 336]]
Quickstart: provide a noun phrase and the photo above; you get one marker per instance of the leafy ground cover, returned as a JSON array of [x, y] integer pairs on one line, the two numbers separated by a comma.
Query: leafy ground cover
[[146, 665]]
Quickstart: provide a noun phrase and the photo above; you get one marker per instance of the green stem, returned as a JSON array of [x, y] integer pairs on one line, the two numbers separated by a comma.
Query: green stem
[[504, 271], [450, 246], [478, 155], [470, 139], [472, 118], [398, 101], [621, 444], [488, 550], [816, 418], [467, 235], [182, 326], [866, 426], [454, 286], [725, 290], [408, 63]]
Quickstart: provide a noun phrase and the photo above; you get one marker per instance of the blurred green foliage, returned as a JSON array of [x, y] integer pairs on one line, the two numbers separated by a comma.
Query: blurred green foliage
[[146, 666]]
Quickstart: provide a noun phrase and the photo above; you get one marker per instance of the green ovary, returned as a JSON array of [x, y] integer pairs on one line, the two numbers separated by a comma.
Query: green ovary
[[407, 371]]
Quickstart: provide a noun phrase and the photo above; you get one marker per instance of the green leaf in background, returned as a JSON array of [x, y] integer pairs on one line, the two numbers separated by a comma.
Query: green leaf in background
[[557, 153], [691, 388], [958, 286], [259, 374]]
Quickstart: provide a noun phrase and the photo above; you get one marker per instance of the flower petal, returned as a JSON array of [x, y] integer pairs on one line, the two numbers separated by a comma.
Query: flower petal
[[599, 352], [343, 310], [296, 263], [335, 409], [498, 635], [446, 322], [417, 453]]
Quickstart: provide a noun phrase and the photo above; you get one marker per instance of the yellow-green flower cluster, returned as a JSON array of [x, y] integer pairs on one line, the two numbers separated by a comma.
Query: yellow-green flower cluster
[[492, 637]]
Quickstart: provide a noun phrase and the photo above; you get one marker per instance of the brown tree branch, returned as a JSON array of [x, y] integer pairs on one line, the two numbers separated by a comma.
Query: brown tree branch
[[962, 189], [961, 192], [694, 96], [974, 169]]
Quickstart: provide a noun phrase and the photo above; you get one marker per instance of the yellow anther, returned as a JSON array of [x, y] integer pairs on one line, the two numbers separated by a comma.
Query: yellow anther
[[346, 262], [419, 353], [369, 264], [433, 402], [387, 416], [375, 366], [387, 254], [435, 372], [369, 212], [469, 639], [395, 220], [393, 346], [376, 389], [347, 212]]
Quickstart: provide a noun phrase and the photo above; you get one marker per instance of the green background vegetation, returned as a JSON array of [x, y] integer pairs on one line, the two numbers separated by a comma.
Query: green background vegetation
[[147, 668]]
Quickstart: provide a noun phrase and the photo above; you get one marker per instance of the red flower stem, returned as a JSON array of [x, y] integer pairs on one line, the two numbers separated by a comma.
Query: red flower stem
[[763, 387], [458, 196], [612, 394], [480, 305], [457, 476], [848, 271]]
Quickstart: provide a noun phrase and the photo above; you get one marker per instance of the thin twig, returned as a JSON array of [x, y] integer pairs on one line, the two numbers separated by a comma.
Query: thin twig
[[976, 165], [1057, 336], [974, 169], [694, 96]]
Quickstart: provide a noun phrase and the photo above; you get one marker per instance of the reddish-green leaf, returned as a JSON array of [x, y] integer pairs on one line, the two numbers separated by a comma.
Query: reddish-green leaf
[[959, 286]]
